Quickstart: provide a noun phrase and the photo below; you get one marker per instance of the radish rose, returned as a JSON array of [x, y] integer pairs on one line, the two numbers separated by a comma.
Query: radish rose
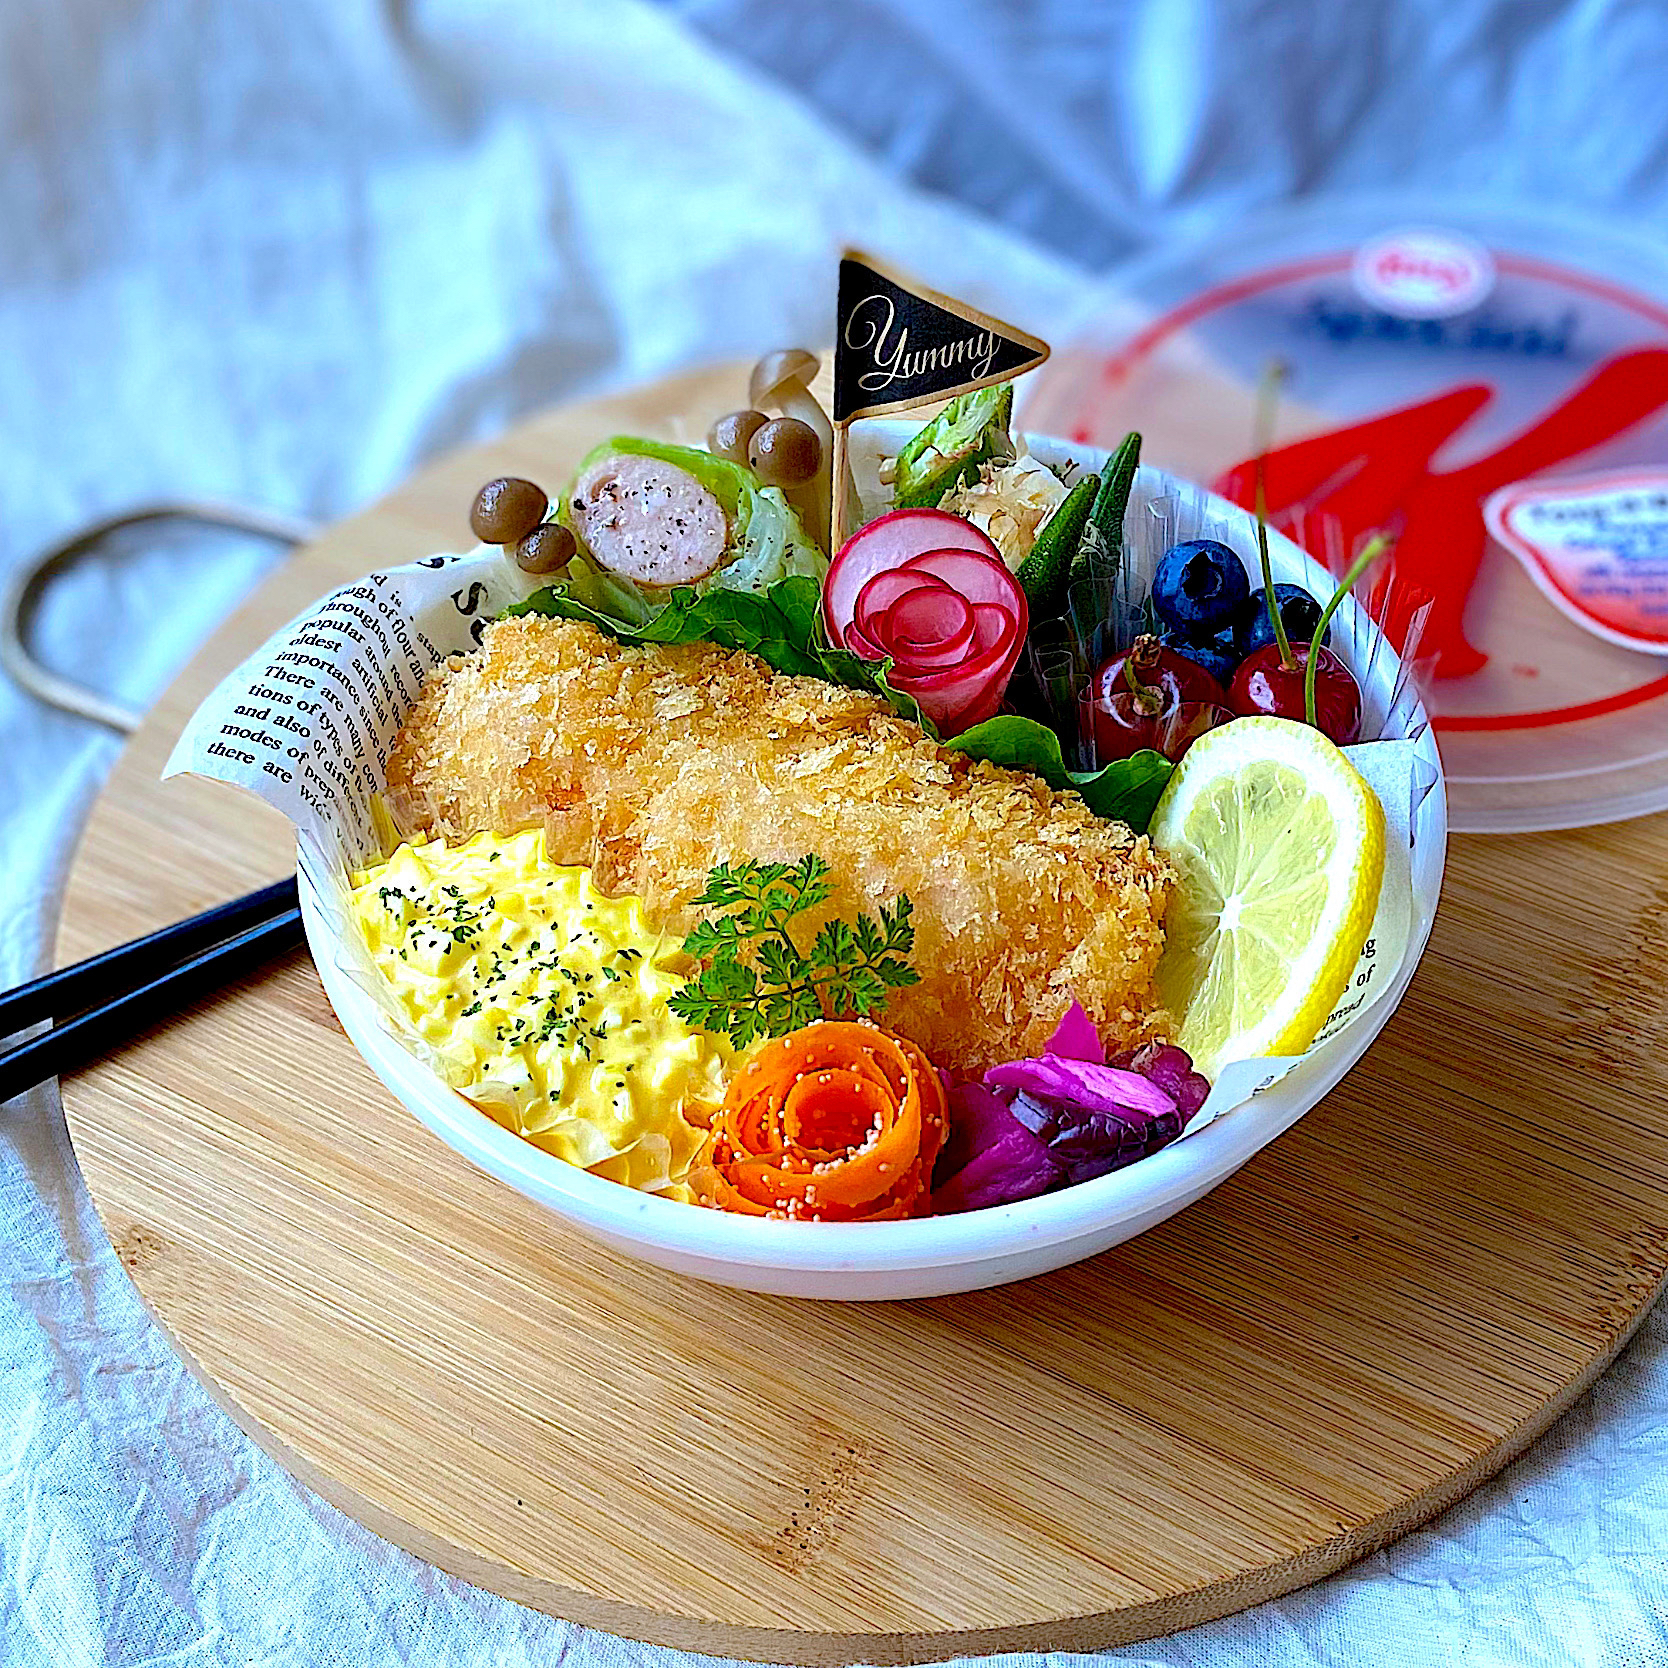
[[928, 591]]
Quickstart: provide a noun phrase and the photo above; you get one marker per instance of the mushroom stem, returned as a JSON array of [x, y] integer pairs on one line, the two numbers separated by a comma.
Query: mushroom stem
[[783, 380], [814, 498]]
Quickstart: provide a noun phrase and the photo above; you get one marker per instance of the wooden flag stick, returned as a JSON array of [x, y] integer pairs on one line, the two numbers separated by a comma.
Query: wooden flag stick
[[841, 490]]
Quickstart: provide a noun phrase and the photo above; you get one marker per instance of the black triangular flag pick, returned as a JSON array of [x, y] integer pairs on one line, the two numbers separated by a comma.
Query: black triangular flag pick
[[900, 344]]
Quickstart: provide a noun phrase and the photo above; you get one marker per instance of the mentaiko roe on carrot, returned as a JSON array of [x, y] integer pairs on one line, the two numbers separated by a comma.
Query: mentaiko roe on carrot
[[838, 1122]]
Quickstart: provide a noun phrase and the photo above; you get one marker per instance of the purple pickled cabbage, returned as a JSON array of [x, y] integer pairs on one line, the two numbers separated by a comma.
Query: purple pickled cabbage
[[1075, 1037], [1066, 1116], [991, 1158], [1089, 1141], [1171, 1068], [1082, 1083], [1091, 1136]]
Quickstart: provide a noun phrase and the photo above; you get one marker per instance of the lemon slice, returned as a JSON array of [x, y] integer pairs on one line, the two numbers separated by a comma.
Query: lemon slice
[[1279, 846]]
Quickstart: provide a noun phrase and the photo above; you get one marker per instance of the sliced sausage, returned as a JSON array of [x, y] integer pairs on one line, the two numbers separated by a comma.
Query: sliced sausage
[[649, 521]]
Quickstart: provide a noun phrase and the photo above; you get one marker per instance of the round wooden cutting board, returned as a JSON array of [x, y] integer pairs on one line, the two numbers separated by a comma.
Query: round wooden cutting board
[[1374, 1315]]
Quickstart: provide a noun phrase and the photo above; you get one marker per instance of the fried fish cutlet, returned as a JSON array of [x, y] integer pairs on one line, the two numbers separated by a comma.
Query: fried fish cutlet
[[652, 764]]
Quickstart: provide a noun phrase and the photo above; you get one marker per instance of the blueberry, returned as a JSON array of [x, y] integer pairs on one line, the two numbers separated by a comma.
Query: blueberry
[[1199, 587], [1217, 654], [1299, 613]]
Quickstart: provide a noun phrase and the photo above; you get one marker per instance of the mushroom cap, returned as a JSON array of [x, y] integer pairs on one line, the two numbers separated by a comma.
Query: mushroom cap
[[785, 452], [784, 365], [548, 547], [507, 509], [730, 435]]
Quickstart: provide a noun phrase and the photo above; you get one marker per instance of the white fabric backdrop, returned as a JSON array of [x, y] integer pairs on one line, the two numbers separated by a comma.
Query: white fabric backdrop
[[279, 254]]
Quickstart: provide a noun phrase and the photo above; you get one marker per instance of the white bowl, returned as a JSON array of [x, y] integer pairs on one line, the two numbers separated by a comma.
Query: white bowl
[[933, 1255]]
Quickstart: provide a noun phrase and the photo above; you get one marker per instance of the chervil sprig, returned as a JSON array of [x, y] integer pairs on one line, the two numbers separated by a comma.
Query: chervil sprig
[[850, 968]]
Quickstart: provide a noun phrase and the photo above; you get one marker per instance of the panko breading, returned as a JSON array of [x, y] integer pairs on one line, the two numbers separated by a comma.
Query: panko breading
[[653, 764]]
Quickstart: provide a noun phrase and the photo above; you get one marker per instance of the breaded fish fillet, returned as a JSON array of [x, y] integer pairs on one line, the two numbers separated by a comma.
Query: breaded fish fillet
[[653, 764]]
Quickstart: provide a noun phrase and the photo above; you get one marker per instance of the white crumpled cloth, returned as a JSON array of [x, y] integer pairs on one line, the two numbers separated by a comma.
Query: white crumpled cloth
[[279, 254]]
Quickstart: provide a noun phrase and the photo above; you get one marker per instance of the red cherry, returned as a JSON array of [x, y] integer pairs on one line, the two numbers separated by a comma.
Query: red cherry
[[1264, 685], [1159, 678], [1150, 696]]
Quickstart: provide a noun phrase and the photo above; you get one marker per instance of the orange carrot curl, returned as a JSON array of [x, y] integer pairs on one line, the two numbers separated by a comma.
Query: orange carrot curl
[[838, 1122]]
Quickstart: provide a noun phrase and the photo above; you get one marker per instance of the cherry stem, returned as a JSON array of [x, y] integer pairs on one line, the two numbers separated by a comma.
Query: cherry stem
[[1268, 394], [1143, 657], [1370, 553]]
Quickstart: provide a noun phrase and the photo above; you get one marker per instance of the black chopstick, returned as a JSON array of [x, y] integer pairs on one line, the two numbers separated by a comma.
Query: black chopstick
[[72, 989], [72, 1044]]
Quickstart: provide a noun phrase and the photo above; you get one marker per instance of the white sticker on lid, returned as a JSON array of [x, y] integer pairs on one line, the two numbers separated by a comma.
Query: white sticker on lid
[[1597, 546], [1423, 274]]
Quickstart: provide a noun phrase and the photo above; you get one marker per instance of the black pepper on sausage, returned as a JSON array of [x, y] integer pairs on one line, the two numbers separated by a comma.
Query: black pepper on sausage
[[648, 521]]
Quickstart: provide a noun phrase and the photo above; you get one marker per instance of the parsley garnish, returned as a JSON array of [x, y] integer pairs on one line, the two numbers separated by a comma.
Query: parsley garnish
[[849, 969]]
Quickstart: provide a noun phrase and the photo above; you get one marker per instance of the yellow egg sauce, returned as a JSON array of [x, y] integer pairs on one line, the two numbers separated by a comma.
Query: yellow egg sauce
[[545, 1003]]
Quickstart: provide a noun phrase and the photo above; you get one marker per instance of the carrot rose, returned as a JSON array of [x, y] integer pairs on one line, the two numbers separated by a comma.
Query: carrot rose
[[837, 1122]]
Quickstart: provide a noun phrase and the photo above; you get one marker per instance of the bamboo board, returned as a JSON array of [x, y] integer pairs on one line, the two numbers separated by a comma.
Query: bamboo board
[[1373, 1316]]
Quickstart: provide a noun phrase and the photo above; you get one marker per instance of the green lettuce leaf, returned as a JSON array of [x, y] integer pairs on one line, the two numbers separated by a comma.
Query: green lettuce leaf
[[782, 625], [1127, 789]]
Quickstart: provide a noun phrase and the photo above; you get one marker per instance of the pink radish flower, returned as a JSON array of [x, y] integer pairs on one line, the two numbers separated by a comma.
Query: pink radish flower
[[931, 593]]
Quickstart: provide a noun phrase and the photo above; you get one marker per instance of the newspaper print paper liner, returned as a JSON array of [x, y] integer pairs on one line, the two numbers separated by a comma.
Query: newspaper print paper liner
[[308, 721]]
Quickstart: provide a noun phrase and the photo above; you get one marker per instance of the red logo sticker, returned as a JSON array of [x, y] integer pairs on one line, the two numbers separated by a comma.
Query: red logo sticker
[[1597, 546], [1423, 275]]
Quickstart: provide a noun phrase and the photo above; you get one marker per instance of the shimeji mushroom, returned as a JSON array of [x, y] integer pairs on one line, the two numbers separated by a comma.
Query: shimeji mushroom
[[785, 453], [783, 379], [731, 435], [549, 547], [506, 510]]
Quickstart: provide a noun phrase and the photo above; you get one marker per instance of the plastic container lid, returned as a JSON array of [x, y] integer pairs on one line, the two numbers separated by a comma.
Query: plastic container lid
[[1491, 385]]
